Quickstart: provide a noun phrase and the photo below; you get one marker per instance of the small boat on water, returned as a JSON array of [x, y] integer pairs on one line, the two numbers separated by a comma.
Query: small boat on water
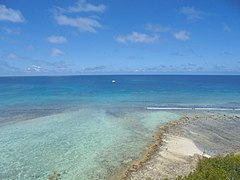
[[113, 81]]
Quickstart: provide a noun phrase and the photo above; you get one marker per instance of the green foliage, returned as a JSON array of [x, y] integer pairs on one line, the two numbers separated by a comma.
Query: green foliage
[[216, 168]]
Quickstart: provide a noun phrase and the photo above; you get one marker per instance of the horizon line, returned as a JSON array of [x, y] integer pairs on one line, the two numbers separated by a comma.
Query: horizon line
[[116, 74]]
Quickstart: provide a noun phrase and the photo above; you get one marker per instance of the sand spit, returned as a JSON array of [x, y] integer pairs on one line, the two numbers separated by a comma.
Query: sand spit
[[179, 145], [159, 139]]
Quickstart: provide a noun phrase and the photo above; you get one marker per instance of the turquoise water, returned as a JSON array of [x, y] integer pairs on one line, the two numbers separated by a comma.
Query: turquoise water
[[85, 127]]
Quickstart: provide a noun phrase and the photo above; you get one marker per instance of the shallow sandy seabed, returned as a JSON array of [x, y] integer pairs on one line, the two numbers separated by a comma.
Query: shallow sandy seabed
[[183, 143]]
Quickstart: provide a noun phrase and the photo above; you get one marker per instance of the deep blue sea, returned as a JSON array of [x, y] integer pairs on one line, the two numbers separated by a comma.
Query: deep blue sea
[[87, 127]]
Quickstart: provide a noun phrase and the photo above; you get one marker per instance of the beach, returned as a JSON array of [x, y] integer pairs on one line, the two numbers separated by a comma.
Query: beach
[[197, 135]]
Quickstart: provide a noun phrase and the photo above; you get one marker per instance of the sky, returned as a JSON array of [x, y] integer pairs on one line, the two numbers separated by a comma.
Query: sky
[[71, 37]]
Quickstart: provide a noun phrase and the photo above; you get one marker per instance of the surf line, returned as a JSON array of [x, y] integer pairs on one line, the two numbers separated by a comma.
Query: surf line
[[189, 108]]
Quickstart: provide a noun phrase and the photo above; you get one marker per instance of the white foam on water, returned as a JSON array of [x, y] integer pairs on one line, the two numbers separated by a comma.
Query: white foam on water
[[192, 108], [166, 108], [216, 109]]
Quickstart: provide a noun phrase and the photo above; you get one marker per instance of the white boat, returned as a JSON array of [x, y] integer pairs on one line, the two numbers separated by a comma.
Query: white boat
[[113, 81]]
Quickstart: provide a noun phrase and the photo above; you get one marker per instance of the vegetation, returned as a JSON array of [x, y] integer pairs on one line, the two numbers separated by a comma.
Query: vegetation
[[216, 168]]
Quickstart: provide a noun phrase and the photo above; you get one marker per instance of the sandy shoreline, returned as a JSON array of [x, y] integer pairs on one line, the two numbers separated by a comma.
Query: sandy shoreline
[[179, 145]]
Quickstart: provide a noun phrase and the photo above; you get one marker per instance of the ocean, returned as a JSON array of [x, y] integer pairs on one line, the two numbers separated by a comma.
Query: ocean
[[88, 127]]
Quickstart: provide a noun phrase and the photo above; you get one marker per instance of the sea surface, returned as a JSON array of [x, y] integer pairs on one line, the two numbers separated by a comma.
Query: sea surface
[[87, 127]]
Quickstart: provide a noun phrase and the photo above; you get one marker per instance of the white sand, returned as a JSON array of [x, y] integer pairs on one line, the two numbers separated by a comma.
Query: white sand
[[181, 146], [177, 157]]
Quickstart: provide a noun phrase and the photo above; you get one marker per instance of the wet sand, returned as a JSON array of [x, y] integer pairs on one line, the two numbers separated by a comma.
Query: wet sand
[[179, 145]]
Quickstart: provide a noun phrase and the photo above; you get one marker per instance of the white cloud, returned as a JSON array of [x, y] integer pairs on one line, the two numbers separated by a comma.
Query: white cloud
[[57, 39], [157, 28], [192, 14], [226, 28], [182, 35], [70, 16], [8, 14], [136, 37], [5, 67], [84, 24], [83, 6], [11, 30], [34, 68], [94, 69], [56, 52], [13, 56]]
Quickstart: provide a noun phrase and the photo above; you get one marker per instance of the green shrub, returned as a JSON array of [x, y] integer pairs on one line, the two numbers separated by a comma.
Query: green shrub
[[216, 168]]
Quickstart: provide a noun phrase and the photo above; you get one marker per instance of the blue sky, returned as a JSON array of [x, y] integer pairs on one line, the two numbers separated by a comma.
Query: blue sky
[[65, 37]]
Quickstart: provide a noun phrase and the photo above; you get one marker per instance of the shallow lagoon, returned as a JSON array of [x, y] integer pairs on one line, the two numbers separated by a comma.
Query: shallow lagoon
[[84, 144]]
